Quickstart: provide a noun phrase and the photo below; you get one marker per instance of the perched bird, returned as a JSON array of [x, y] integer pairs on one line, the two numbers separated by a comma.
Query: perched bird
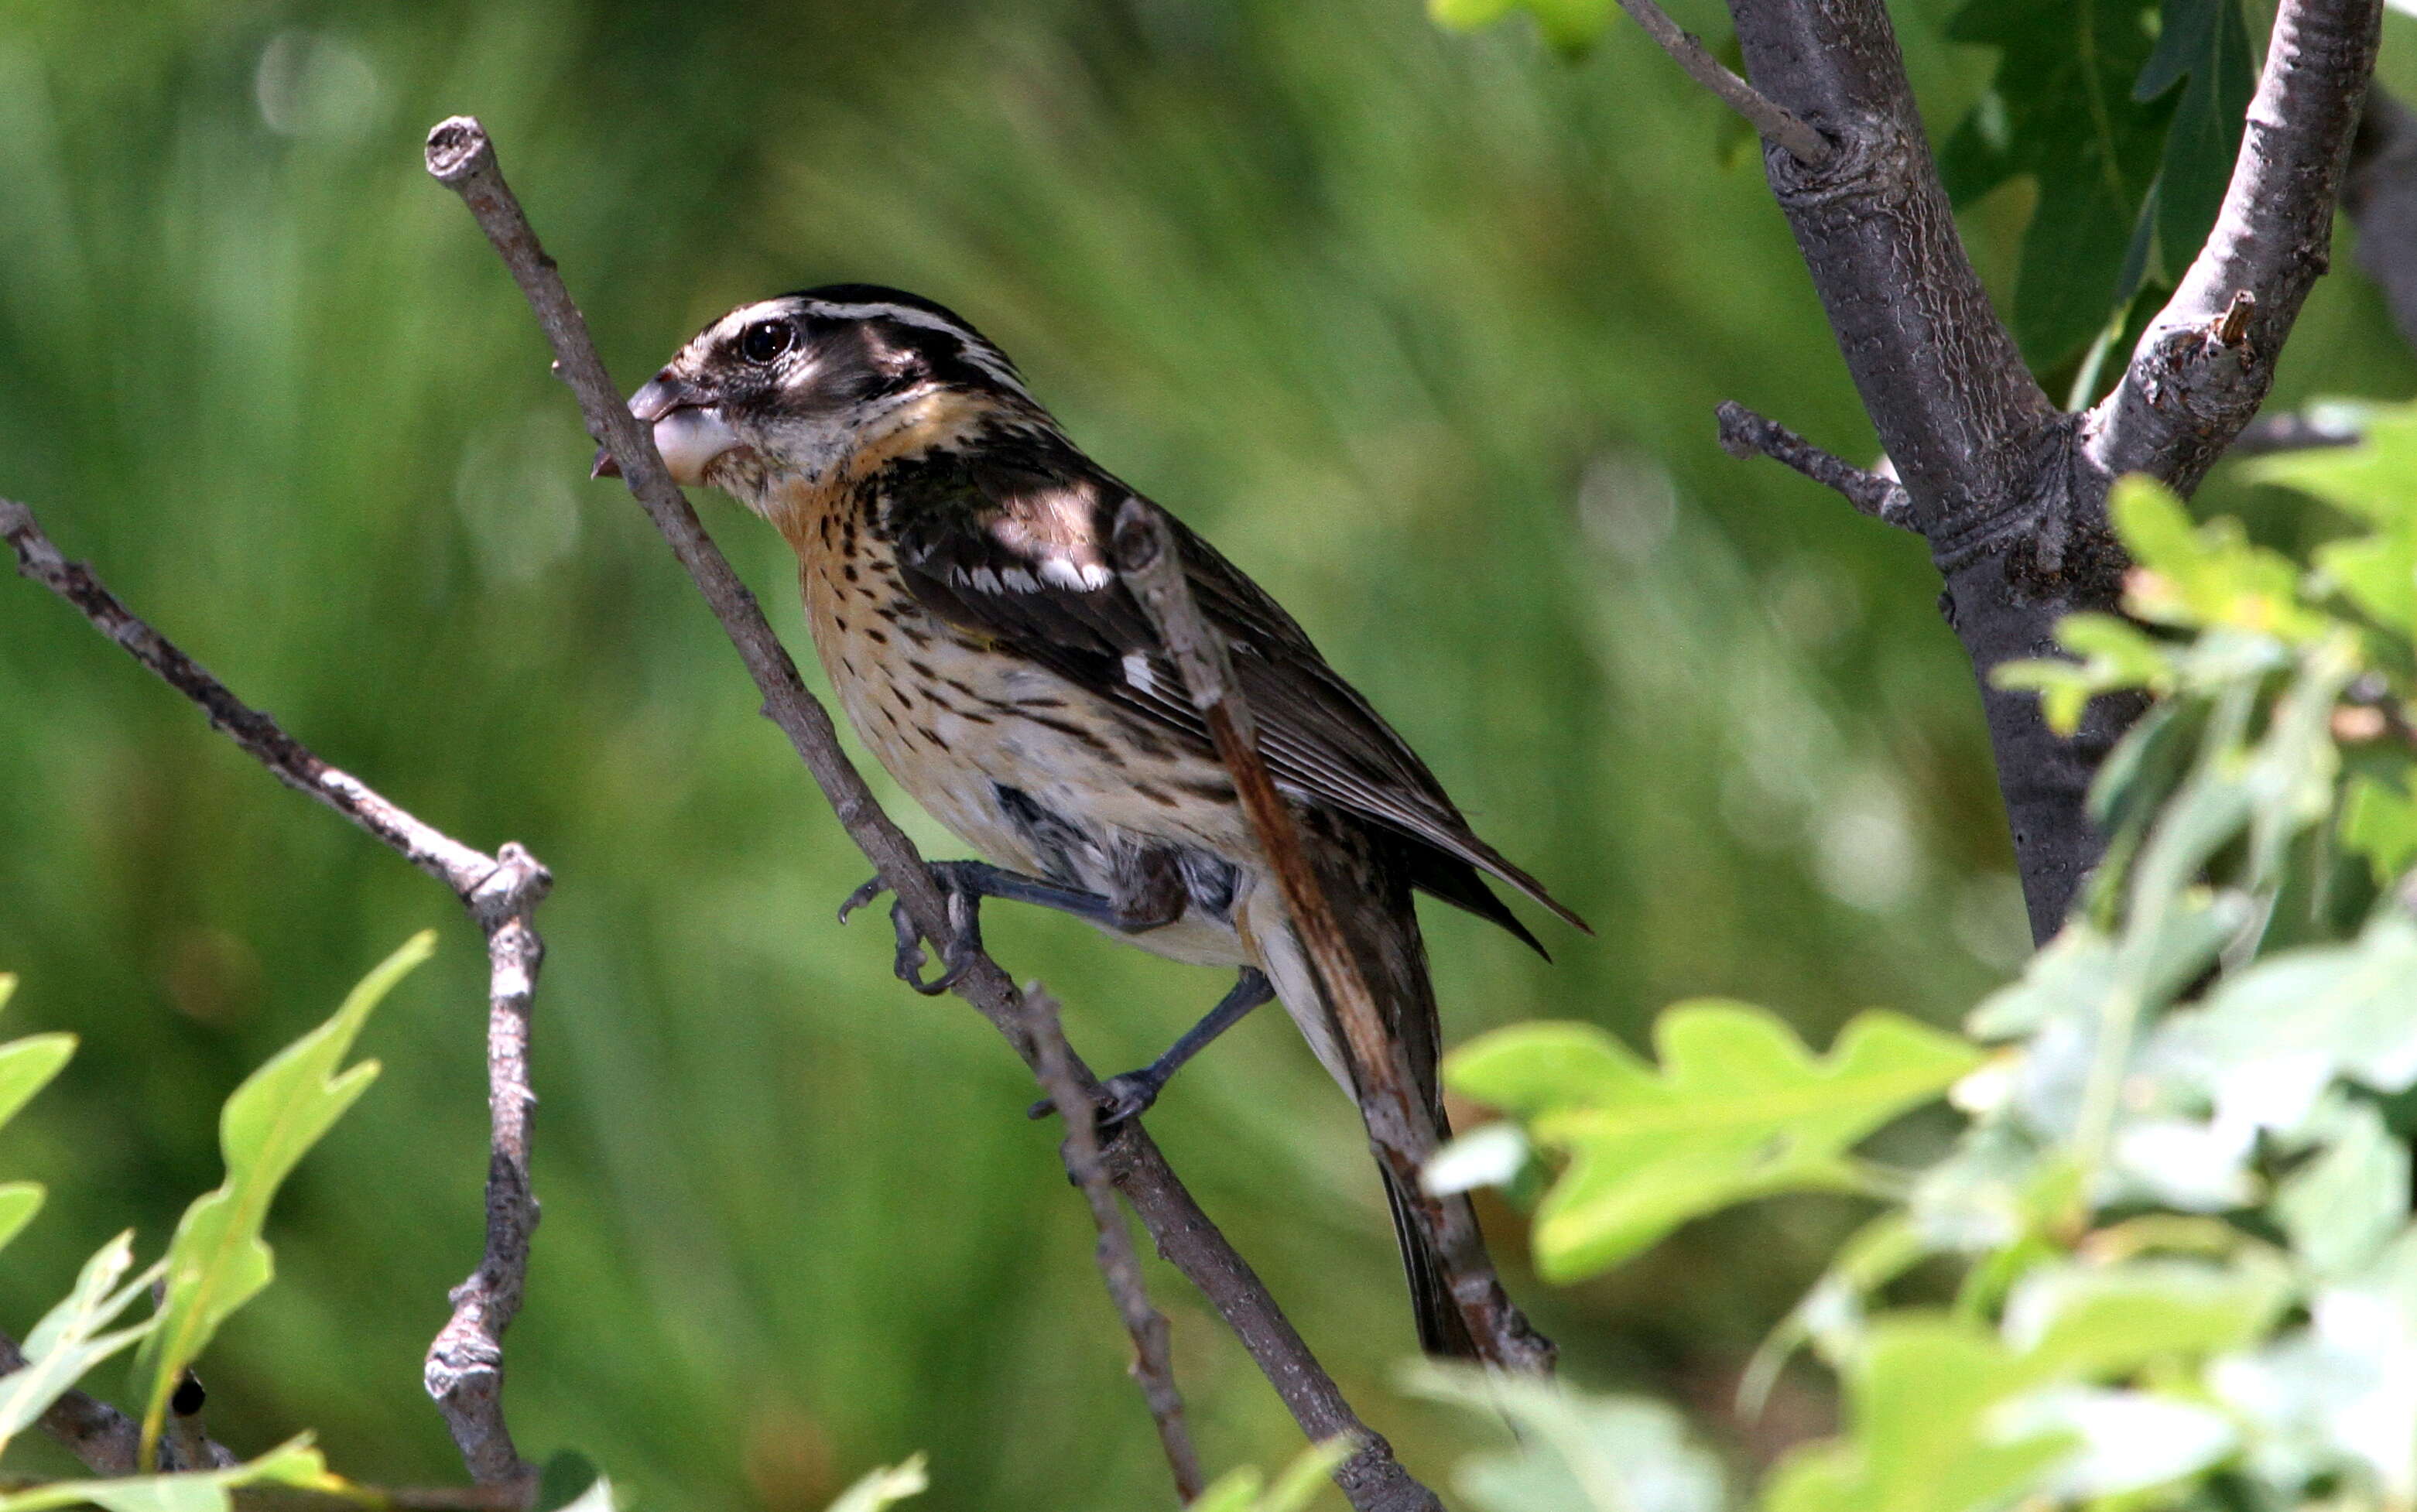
[[953, 544]]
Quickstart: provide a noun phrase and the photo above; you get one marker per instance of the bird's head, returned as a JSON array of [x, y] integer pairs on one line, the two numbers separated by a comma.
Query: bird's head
[[797, 388]]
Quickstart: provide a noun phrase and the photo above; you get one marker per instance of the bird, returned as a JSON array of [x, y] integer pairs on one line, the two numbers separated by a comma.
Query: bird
[[954, 547]]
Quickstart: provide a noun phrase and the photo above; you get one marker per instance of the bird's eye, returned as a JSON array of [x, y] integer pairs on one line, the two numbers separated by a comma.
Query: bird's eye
[[766, 340]]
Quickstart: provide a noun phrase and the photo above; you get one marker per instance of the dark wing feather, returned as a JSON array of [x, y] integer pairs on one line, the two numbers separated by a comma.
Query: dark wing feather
[[1017, 553]]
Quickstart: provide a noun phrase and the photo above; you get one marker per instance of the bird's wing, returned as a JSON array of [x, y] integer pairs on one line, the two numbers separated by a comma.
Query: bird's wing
[[1021, 555]]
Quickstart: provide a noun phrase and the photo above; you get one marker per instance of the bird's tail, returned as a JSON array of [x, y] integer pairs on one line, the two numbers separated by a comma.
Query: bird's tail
[[1443, 1330], [1371, 891]]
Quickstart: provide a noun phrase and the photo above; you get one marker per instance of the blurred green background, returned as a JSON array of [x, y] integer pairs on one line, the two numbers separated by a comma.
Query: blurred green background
[[1424, 330]]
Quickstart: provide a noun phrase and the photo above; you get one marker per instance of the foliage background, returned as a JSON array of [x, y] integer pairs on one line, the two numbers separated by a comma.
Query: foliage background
[[1424, 329]]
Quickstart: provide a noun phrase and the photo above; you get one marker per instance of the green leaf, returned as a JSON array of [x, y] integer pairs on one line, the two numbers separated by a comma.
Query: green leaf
[[1920, 1403], [2060, 110], [26, 1067], [2336, 1402], [2344, 1206], [217, 1260], [2075, 1322], [1246, 1490], [884, 1488], [2268, 1040], [1945, 1417], [1741, 1110], [2380, 822], [2207, 42], [2204, 576], [19, 1201], [295, 1464], [2376, 481], [1576, 1452], [69, 1340], [2114, 655], [1572, 27]]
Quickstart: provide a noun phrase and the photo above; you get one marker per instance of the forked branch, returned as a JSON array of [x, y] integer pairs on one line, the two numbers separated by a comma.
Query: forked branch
[[501, 892]]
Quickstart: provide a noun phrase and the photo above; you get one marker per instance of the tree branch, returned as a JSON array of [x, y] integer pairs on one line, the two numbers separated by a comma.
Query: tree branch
[[2205, 362], [1153, 1366], [1744, 434], [461, 158], [501, 893], [2009, 493], [1777, 124], [1389, 1100]]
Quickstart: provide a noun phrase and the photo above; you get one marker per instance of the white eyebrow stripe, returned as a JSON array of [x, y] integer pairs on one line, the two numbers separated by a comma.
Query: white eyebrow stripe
[[990, 360]]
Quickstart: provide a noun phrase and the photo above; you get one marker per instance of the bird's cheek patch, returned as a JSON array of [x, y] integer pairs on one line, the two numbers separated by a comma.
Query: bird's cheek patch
[[690, 440]]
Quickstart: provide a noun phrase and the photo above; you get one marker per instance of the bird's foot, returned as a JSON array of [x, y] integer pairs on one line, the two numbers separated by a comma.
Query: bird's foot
[[963, 946], [1116, 1100]]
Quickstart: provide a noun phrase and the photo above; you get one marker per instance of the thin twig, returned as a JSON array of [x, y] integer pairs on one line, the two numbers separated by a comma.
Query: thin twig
[[1153, 1365], [501, 892], [1775, 121], [465, 1369], [2309, 430], [1743, 434], [1389, 1100], [460, 157]]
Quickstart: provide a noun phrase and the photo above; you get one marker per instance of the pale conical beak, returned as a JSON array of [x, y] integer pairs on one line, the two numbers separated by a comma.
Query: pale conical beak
[[689, 428]]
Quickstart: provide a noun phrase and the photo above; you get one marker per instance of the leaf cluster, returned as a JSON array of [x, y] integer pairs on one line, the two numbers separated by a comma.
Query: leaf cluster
[[2179, 1208]]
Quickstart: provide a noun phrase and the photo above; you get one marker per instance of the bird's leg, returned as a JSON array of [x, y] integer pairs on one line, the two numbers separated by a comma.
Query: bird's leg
[[1130, 1095], [968, 883]]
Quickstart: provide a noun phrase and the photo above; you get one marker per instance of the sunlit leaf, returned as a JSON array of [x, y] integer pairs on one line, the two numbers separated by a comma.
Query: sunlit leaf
[[295, 1464], [1740, 1109], [2337, 1401], [1920, 1402], [1576, 1451], [2344, 1206], [69, 1341], [2077, 1322], [1247, 1490], [2202, 576], [2114, 655], [26, 1067], [1570, 25], [2376, 480], [880, 1489], [2127, 1441], [217, 1260], [2380, 822], [2296, 1020]]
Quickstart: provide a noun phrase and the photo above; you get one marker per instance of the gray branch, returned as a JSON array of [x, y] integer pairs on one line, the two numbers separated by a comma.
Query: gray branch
[[1777, 124], [2010, 492], [501, 893], [2205, 364], [1745, 434], [460, 157]]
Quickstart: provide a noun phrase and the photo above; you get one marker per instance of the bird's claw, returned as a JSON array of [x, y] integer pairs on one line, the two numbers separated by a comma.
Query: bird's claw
[[873, 888], [1117, 1100], [964, 927]]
